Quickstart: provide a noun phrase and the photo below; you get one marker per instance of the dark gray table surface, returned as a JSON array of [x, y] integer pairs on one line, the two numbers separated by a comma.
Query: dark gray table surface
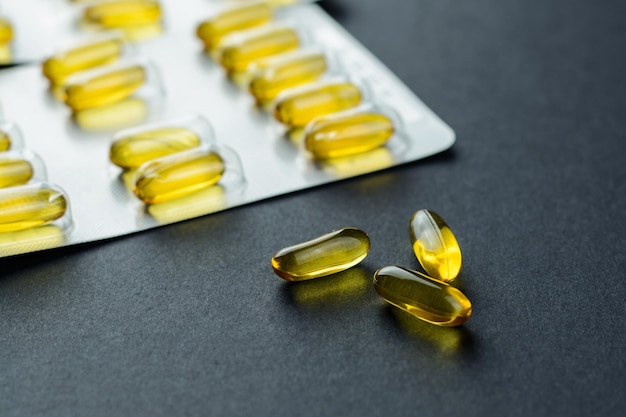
[[190, 320]]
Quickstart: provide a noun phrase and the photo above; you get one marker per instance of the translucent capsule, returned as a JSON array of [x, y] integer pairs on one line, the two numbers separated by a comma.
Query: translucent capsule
[[104, 88], [286, 72], [23, 207], [6, 31], [5, 141], [328, 254], [430, 300], [178, 175], [300, 106], [232, 19], [342, 135], [90, 55], [435, 246], [134, 150], [14, 171], [123, 13], [242, 49]]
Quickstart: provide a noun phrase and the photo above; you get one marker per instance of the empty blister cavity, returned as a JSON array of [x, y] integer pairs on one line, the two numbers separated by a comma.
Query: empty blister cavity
[[424, 297], [10, 137], [435, 246], [134, 147], [20, 167], [112, 14], [328, 254]]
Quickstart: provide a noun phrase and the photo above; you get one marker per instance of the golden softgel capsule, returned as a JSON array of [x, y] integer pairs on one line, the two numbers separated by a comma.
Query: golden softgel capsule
[[177, 175], [25, 208], [132, 151], [299, 107], [428, 299], [290, 71], [240, 50], [5, 141], [233, 19], [342, 135], [104, 88], [6, 31], [328, 254], [93, 54], [123, 13], [435, 246], [14, 171]]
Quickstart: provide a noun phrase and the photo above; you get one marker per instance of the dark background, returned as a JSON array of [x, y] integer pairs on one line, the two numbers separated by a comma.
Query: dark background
[[189, 319]]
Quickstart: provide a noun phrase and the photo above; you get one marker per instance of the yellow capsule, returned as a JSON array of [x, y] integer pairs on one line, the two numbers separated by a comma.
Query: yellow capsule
[[105, 88], [328, 254], [123, 13], [240, 50], [23, 209], [5, 141], [132, 151], [14, 171], [428, 299], [300, 107], [342, 135], [6, 31], [177, 175], [233, 19], [290, 71], [435, 246], [93, 54]]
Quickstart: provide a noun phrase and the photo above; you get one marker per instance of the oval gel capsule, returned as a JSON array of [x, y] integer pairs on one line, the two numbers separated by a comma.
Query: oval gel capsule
[[123, 13], [14, 171], [428, 299], [328, 254], [177, 175], [5, 141], [6, 31], [26, 208], [435, 246]]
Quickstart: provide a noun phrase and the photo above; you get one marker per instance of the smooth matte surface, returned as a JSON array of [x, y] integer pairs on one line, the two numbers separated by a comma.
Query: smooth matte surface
[[190, 320]]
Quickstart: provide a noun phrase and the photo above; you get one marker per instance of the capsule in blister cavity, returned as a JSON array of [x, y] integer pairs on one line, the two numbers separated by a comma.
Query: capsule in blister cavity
[[242, 49], [123, 13], [104, 88], [93, 54], [328, 254], [435, 246], [342, 135], [177, 175], [14, 171], [5, 141], [22, 208], [235, 18], [428, 299], [134, 150], [6, 31], [299, 107], [286, 72]]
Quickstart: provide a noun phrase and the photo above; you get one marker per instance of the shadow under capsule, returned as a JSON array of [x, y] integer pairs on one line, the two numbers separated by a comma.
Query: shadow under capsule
[[112, 117]]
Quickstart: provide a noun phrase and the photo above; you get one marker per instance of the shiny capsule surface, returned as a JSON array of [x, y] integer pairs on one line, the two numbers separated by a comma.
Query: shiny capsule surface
[[240, 50], [343, 135], [58, 67], [123, 13], [132, 151], [236, 18], [328, 254], [14, 171], [435, 246], [106, 88], [23, 209], [177, 175], [302, 106], [6, 31], [5, 141], [291, 71], [430, 300]]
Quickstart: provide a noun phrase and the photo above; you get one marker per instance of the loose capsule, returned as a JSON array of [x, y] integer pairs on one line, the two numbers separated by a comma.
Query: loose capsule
[[123, 13], [5, 141], [93, 54], [342, 135], [14, 171], [6, 31], [290, 71], [132, 151], [25, 208], [430, 300], [328, 254], [299, 107], [240, 50], [235, 18], [105, 88], [435, 246], [177, 175]]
